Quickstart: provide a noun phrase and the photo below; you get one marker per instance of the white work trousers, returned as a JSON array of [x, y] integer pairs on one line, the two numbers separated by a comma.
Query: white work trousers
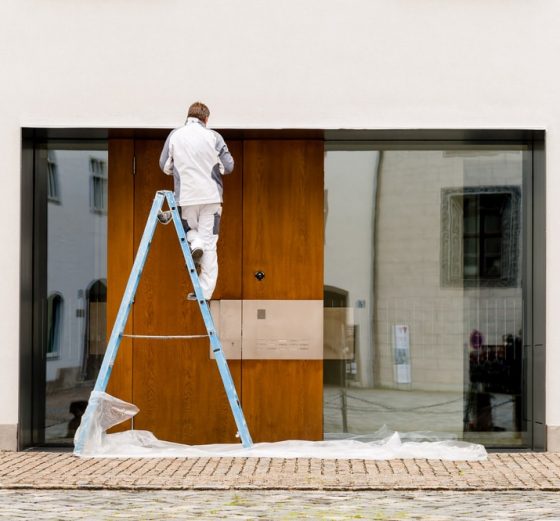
[[203, 221]]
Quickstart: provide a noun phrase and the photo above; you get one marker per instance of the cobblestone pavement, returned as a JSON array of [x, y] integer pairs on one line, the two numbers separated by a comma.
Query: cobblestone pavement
[[501, 471], [277, 505]]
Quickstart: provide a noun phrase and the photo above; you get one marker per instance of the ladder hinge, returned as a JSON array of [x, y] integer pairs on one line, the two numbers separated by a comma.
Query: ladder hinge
[[133, 165]]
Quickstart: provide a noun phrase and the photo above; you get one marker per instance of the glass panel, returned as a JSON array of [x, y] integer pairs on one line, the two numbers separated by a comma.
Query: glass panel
[[492, 224], [470, 220], [417, 337], [471, 247], [470, 268], [76, 285], [493, 247]]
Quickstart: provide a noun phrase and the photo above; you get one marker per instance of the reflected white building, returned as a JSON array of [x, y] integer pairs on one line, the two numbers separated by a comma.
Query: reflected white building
[[76, 279]]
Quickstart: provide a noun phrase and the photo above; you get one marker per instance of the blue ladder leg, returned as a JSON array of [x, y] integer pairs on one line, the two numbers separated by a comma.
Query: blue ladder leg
[[209, 323], [122, 316]]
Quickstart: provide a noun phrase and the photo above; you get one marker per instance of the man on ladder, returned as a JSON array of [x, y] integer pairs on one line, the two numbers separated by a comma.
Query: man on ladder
[[197, 157], [100, 412]]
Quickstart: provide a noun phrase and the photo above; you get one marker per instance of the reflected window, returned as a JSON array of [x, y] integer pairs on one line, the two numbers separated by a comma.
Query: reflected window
[[54, 318], [53, 192], [98, 191], [480, 230], [76, 268], [97, 166], [98, 186], [427, 246], [96, 325]]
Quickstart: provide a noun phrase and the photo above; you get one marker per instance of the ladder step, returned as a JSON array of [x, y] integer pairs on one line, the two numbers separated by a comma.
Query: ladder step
[[165, 337]]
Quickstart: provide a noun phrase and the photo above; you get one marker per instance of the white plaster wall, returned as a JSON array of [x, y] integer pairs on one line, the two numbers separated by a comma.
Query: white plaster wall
[[319, 63]]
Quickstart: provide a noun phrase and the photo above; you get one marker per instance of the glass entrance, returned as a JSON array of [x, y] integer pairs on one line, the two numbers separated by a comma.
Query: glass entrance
[[76, 285], [423, 292]]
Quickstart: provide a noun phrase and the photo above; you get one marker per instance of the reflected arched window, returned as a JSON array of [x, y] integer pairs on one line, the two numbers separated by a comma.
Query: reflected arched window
[[97, 292], [54, 321], [96, 328]]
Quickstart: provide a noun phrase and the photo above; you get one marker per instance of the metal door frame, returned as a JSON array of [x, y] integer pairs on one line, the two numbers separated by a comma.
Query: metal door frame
[[33, 239]]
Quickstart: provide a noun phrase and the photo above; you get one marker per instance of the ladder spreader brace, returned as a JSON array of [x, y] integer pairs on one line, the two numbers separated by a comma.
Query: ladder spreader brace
[[120, 322]]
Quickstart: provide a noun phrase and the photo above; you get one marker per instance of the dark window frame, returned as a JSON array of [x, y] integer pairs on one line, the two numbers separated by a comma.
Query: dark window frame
[[33, 243], [452, 237]]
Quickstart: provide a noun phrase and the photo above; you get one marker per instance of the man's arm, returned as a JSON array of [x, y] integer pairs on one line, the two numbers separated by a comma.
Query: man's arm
[[165, 159], [223, 154]]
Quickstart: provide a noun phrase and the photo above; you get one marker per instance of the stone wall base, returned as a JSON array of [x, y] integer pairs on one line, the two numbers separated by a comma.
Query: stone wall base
[[8, 437], [553, 438]]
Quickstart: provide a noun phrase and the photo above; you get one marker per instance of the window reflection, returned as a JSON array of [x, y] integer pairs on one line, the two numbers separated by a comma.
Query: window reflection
[[54, 317], [76, 281], [423, 267]]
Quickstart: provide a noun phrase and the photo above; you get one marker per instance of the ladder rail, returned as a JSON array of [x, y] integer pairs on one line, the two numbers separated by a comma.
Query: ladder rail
[[128, 298], [122, 317], [215, 343]]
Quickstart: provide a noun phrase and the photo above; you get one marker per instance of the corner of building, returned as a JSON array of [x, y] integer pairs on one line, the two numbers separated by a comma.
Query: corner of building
[[553, 438]]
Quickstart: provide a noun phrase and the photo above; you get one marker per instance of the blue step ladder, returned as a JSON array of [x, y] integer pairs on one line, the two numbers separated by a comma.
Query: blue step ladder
[[118, 329]]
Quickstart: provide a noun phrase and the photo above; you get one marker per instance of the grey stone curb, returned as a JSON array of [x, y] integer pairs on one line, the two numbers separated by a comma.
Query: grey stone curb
[[203, 488]]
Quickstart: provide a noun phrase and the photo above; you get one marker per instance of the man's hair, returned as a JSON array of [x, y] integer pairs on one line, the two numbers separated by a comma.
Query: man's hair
[[198, 110]]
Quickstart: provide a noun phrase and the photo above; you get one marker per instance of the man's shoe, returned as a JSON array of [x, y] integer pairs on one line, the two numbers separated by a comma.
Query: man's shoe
[[197, 254], [165, 217], [192, 296]]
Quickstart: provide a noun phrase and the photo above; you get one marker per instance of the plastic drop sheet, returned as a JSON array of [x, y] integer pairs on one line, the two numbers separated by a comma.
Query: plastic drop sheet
[[381, 445]]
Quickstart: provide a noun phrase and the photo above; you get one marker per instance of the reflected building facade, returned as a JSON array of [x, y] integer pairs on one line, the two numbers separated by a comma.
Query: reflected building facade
[[423, 258], [76, 285]]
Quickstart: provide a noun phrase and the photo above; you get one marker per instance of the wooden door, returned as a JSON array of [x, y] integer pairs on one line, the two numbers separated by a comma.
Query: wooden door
[[272, 222], [174, 383], [120, 256], [283, 238]]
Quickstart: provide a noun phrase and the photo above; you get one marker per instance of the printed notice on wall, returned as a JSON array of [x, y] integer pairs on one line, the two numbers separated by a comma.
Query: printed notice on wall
[[401, 336]]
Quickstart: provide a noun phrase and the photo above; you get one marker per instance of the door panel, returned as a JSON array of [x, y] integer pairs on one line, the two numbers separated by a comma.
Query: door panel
[[231, 230], [272, 221], [120, 255], [283, 238], [283, 216], [175, 384], [283, 399]]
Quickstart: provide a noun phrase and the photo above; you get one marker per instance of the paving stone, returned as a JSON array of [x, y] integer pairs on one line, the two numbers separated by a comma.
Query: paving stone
[[273, 505], [515, 471]]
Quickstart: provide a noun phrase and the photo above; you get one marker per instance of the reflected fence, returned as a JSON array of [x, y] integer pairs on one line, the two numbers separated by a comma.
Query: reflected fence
[[464, 359]]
